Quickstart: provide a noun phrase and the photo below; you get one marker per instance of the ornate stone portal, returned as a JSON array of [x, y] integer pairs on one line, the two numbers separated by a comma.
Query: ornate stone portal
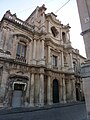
[[38, 65]]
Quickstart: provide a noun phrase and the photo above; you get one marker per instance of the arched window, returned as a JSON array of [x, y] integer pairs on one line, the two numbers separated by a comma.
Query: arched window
[[54, 31], [21, 51], [64, 37]]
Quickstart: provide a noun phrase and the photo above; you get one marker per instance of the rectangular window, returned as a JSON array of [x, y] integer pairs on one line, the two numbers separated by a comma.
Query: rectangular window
[[21, 49], [54, 60], [21, 52]]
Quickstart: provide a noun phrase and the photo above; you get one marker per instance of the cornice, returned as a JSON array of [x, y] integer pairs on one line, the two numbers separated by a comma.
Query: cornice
[[18, 25], [50, 40]]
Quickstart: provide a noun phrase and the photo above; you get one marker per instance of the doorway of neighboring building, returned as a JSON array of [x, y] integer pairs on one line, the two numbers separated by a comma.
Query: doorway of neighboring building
[[77, 94], [55, 91]]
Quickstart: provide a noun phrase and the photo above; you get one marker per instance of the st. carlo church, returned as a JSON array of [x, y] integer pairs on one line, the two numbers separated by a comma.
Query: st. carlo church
[[38, 65]]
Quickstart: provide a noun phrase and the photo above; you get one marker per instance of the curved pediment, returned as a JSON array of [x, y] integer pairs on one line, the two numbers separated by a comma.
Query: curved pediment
[[23, 36], [53, 18]]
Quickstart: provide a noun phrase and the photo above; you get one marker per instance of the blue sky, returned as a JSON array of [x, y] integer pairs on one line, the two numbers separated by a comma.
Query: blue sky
[[68, 14]]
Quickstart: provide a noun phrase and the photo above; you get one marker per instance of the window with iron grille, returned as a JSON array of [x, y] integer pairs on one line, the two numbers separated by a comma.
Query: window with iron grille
[[21, 52]]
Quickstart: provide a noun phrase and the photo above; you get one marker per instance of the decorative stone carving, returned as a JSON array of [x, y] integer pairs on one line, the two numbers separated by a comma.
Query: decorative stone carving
[[37, 72]]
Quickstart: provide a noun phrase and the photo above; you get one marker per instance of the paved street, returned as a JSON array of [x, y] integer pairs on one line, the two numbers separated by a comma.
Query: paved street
[[72, 112]]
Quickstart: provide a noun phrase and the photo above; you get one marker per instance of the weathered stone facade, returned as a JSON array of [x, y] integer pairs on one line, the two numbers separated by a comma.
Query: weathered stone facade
[[38, 65]]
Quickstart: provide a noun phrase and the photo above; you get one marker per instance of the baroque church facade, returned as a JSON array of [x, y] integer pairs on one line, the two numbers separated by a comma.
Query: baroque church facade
[[38, 65]]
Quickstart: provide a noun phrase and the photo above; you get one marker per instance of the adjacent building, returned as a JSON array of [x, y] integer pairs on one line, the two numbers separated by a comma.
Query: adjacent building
[[38, 65], [84, 14]]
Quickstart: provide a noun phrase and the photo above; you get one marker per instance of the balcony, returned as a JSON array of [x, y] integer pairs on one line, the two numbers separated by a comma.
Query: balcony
[[20, 59]]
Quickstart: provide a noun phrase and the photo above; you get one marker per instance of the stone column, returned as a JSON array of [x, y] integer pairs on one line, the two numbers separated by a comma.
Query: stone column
[[68, 90], [61, 91], [49, 57], [64, 90], [37, 91], [41, 93], [32, 90], [49, 91], [3, 85], [62, 60], [34, 52]]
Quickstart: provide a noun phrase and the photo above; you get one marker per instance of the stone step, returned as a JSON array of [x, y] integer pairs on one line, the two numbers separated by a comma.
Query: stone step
[[32, 109]]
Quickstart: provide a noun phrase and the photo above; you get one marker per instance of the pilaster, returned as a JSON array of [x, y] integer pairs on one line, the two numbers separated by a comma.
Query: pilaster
[[68, 90], [71, 63], [29, 51], [49, 57], [64, 90], [73, 88], [61, 91], [32, 90], [42, 60], [49, 101], [27, 94], [41, 90], [3, 85], [34, 52], [62, 61], [59, 62]]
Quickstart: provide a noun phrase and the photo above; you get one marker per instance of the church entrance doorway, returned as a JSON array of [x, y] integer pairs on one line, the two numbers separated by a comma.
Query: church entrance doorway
[[55, 91]]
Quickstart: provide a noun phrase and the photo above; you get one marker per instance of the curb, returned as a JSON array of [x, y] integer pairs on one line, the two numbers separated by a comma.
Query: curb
[[5, 111]]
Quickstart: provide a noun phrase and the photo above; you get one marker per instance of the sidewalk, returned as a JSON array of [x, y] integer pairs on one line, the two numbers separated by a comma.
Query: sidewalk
[[32, 109]]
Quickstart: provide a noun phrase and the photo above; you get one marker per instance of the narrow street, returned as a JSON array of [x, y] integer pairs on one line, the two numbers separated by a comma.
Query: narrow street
[[71, 112]]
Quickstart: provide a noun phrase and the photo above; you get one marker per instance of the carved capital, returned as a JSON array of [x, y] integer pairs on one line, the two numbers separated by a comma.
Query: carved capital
[[42, 70], [33, 70]]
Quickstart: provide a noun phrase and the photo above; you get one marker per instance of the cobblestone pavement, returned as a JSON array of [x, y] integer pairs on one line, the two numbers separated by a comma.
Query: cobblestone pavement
[[72, 112]]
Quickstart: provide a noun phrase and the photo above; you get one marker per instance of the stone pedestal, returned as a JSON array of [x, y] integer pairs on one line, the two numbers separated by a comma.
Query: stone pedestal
[[85, 72]]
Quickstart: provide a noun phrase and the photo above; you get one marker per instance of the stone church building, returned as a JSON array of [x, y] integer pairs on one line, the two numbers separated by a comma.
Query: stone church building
[[38, 65]]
